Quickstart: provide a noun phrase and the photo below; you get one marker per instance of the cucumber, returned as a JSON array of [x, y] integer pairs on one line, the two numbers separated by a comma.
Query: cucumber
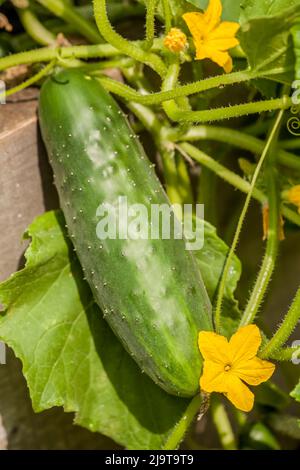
[[150, 291]]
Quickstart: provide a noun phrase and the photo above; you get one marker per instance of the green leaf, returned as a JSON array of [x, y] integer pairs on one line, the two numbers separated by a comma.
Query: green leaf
[[267, 88], [258, 8], [296, 41], [70, 356], [267, 43], [231, 8]]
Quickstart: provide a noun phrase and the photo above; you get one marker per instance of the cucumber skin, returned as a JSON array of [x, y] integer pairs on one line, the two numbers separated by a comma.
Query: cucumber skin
[[151, 291]]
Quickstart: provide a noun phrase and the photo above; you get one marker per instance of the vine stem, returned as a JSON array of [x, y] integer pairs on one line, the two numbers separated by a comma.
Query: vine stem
[[167, 14], [150, 24], [176, 113], [199, 404], [130, 94], [168, 84], [227, 175], [70, 15], [232, 178], [35, 78], [222, 424], [269, 260], [241, 222], [123, 45], [34, 28], [178, 91], [285, 330], [285, 354], [267, 267], [229, 112], [46, 54], [240, 140], [167, 149]]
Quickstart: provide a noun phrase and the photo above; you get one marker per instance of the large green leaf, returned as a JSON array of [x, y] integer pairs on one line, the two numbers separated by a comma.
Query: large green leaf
[[268, 45], [70, 356], [257, 8], [231, 8]]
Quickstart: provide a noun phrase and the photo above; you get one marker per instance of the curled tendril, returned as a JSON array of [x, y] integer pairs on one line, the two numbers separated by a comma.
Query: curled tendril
[[295, 109], [293, 126]]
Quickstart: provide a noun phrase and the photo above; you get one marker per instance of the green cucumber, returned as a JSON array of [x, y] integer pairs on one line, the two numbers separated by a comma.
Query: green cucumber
[[151, 291]]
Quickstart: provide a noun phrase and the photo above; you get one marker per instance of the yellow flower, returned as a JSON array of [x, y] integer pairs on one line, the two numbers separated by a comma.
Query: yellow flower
[[176, 40], [228, 364], [293, 196], [213, 37]]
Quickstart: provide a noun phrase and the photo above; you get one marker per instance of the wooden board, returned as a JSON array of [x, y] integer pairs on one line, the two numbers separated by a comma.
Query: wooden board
[[26, 190]]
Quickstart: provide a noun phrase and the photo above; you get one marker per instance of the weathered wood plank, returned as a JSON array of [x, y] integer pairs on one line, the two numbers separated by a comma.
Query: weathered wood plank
[[26, 190]]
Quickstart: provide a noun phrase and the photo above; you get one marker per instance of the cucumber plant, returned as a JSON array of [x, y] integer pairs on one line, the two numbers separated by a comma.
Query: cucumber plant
[[174, 83]]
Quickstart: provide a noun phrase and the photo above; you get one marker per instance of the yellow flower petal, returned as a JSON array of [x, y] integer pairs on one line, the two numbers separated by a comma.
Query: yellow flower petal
[[255, 371], [228, 66], [219, 57], [228, 364], [225, 31], [213, 377], [238, 393], [196, 24], [222, 44], [245, 343], [213, 13], [212, 38], [214, 347]]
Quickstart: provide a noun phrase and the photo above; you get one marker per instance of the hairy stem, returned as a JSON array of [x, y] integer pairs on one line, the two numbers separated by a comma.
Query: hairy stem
[[232, 178], [123, 45], [285, 330], [210, 115], [269, 260], [150, 24], [268, 264], [240, 140], [199, 404], [46, 54], [34, 79], [178, 90], [227, 175], [167, 14], [285, 354], [241, 222]]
